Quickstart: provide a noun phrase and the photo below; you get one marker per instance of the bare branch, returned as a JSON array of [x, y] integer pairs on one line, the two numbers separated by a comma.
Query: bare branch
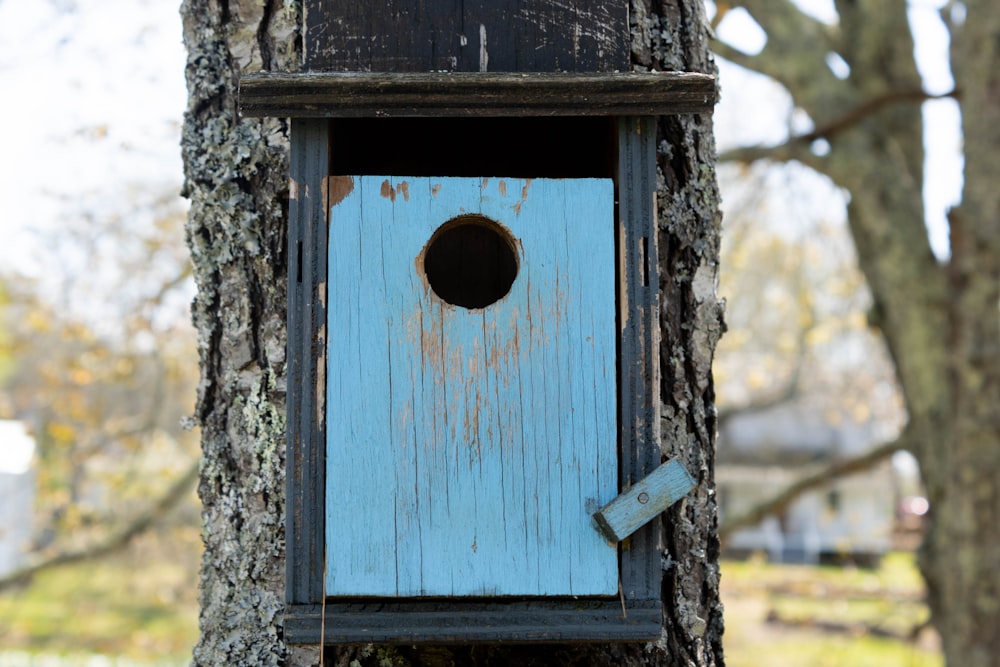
[[798, 147], [791, 150], [868, 108], [794, 55], [735, 56], [853, 629], [787, 394], [792, 388], [785, 498], [116, 541]]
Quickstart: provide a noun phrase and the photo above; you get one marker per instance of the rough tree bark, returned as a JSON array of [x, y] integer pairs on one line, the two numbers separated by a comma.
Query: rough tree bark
[[236, 179], [961, 468], [939, 319]]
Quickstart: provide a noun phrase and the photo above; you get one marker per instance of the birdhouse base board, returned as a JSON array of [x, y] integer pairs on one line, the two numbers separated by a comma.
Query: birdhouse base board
[[449, 621]]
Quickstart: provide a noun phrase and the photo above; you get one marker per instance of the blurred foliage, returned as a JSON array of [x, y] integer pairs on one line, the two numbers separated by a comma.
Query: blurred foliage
[[139, 603], [97, 354], [99, 360], [101, 366], [6, 351], [105, 413], [796, 303]]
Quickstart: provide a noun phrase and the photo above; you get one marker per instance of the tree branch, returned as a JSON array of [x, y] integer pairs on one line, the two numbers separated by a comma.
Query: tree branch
[[735, 56], [785, 498], [869, 108], [792, 388], [115, 542], [792, 150], [794, 55], [795, 147], [787, 394], [854, 629]]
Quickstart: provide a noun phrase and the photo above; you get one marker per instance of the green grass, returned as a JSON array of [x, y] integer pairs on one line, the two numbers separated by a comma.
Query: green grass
[[813, 651], [897, 571], [140, 604], [807, 598]]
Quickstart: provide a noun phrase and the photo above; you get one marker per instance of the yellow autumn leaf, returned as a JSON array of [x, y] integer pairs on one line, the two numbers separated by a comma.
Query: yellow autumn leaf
[[82, 376], [61, 432]]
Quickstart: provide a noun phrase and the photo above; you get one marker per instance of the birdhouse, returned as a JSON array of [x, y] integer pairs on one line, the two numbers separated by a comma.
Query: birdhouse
[[473, 449]]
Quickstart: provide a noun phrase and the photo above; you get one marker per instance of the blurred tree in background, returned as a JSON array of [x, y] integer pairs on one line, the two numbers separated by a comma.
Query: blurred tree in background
[[856, 82], [105, 385], [97, 354], [6, 348], [799, 350], [796, 304]]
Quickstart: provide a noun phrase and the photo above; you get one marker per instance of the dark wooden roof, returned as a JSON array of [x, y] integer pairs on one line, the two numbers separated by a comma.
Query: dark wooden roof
[[357, 94]]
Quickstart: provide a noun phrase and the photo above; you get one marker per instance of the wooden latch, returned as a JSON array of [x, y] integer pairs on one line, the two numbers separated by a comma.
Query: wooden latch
[[643, 501]]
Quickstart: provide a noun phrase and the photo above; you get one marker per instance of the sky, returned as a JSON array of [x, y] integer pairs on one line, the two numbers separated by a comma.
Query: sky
[[94, 95]]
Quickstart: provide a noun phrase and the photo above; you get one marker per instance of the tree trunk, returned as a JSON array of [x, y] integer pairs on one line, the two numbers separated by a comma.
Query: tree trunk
[[963, 547], [940, 320], [236, 178]]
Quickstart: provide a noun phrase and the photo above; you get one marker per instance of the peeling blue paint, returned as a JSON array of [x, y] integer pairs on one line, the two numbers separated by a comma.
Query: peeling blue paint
[[465, 446]]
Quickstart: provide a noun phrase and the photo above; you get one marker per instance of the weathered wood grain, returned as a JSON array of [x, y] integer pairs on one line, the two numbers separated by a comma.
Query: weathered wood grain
[[466, 35], [639, 364], [305, 483], [457, 621], [639, 443], [639, 504], [354, 94], [468, 448]]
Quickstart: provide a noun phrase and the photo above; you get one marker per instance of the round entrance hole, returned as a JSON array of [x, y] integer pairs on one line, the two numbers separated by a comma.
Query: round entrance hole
[[470, 261]]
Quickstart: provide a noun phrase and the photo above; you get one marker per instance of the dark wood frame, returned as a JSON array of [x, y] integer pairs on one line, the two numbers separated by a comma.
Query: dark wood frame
[[311, 619]]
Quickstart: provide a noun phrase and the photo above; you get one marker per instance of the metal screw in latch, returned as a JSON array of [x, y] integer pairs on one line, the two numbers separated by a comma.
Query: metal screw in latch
[[643, 498]]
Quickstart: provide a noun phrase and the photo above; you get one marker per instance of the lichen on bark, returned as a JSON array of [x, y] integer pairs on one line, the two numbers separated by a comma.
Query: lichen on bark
[[235, 177]]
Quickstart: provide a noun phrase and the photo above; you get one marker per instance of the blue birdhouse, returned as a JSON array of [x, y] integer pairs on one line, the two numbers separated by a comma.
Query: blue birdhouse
[[473, 447]]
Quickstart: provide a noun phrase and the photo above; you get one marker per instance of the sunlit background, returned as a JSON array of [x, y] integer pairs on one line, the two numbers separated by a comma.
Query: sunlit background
[[98, 365], [98, 519]]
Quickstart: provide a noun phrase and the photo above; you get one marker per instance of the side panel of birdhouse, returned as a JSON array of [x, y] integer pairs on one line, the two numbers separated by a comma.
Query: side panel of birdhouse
[[467, 447]]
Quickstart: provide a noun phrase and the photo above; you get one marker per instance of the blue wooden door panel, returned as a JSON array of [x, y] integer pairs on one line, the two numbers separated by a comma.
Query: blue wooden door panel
[[468, 448]]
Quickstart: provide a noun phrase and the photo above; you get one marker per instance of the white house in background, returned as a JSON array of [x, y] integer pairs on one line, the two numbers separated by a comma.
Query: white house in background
[[17, 494], [762, 453]]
